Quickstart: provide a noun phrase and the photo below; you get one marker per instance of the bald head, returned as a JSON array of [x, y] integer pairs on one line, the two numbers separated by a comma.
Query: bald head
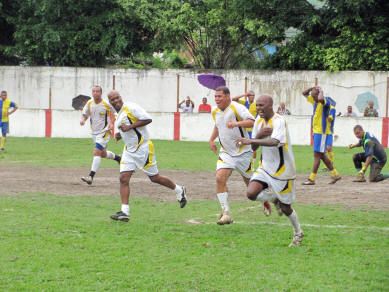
[[265, 106], [115, 99]]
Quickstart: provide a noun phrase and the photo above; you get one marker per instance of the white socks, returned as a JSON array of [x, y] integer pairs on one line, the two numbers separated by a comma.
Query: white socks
[[126, 209], [110, 155], [223, 199], [96, 163], [178, 191], [294, 220]]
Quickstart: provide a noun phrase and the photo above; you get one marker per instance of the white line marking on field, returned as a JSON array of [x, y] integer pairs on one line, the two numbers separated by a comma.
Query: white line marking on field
[[311, 225]]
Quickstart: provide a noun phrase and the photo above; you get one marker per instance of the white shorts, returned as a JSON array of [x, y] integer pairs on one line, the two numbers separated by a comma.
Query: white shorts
[[143, 158], [282, 190], [243, 163], [101, 140]]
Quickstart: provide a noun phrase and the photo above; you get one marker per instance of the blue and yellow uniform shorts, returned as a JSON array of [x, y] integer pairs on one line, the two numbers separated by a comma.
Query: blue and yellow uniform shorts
[[319, 143], [330, 140], [4, 128]]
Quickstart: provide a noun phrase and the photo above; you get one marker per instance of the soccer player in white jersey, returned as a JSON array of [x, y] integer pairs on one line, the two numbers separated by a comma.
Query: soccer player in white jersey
[[231, 121], [99, 111], [138, 152], [275, 177]]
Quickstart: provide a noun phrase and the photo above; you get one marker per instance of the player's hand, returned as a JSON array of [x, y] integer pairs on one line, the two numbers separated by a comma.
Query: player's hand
[[231, 125], [213, 146], [350, 146], [82, 122], [361, 173], [242, 141], [117, 137], [125, 128], [265, 131]]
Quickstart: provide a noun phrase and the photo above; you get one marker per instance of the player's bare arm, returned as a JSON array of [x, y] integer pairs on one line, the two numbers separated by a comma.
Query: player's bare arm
[[351, 146], [321, 95], [140, 123], [13, 110], [83, 120], [211, 141], [307, 91], [249, 123], [256, 142]]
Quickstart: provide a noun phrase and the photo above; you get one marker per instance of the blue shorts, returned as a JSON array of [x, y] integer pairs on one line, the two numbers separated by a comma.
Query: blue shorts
[[4, 128], [330, 140], [319, 143], [250, 133]]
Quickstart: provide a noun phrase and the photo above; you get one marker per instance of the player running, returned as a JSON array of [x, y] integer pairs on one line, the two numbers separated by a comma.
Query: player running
[[101, 121], [138, 152], [274, 179], [231, 121]]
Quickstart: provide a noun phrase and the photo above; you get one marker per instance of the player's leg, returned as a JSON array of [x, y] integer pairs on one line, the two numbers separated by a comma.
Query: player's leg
[[319, 146], [102, 140], [180, 191], [334, 173], [358, 159], [330, 155], [4, 131], [124, 213], [294, 221], [375, 171], [222, 176]]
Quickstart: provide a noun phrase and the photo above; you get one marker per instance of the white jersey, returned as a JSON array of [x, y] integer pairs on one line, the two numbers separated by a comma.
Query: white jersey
[[276, 161], [233, 113], [186, 109], [129, 114], [99, 115]]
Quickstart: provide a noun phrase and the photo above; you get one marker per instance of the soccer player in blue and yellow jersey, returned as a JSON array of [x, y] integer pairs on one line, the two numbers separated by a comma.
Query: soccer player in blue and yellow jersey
[[330, 134], [321, 106], [5, 105]]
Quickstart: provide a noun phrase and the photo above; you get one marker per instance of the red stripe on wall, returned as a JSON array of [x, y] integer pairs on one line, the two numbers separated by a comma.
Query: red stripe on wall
[[385, 132], [177, 126], [48, 123]]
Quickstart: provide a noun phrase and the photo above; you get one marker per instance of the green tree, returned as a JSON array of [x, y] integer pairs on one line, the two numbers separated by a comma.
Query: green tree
[[342, 35], [76, 33], [8, 9]]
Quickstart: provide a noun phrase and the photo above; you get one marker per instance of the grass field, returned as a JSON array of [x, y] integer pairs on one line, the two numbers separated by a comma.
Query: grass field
[[67, 243]]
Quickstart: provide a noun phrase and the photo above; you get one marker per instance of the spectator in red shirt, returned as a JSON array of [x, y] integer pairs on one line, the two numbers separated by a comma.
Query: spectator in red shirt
[[204, 107]]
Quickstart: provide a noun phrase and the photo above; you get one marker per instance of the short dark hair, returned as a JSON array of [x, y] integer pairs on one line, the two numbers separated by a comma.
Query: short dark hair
[[3, 91], [359, 127], [101, 90], [224, 89]]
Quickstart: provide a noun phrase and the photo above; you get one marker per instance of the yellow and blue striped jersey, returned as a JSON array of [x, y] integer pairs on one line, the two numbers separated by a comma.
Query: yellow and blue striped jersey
[[4, 106], [330, 125], [319, 116]]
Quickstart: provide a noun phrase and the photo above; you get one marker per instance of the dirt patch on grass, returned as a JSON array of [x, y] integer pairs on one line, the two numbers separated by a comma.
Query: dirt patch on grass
[[17, 179]]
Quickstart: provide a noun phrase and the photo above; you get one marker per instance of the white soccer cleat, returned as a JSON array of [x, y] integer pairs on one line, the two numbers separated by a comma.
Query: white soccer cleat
[[87, 179], [225, 218], [297, 239]]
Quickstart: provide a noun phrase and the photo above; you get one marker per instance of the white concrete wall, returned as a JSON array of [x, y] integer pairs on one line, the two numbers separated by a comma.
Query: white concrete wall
[[194, 127], [156, 90]]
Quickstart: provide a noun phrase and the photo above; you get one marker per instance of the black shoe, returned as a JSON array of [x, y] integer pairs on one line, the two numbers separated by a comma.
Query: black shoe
[[118, 159], [2, 149], [120, 216], [183, 200]]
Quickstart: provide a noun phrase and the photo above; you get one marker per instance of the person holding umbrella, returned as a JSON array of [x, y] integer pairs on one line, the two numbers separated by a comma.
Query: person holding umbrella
[[101, 119]]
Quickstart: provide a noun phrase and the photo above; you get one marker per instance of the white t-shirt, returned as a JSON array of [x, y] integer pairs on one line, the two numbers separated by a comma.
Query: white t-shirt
[[129, 114], [186, 109], [277, 161], [99, 115], [233, 113]]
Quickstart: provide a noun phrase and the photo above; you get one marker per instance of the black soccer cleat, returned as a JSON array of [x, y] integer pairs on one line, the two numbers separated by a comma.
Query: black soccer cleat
[[118, 158], [183, 200], [120, 216]]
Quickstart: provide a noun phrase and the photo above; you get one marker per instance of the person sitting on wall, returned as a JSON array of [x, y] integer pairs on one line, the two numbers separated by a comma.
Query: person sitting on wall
[[349, 112], [370, 111], [204, 107], [282, 110], [186, 105]]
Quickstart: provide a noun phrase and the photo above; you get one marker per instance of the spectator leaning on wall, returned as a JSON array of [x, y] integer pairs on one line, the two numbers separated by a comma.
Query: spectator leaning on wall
[[282, 110], [186, 105], [370, 111], [205, 107], [349, 112]]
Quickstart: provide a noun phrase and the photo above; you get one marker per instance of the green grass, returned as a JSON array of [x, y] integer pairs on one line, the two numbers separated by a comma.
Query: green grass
[[63, 243], [179, 155], [67, 243]]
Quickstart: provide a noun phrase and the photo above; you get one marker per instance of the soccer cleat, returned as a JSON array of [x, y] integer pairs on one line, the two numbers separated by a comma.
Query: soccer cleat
[[309, 183], [266, 209], [118, 158], [278, 207], [2, 149], [359, 179], [183, 200], [87, 179], [225, 218], [297, 239], [120, 216], [334, 179]]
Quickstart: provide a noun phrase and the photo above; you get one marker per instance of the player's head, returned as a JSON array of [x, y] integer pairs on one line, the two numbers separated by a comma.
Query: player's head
[[250, 96], [3, 95], [115, 99], [222, 97], [97, 92], [315, 94], [264, 105], [358, 131]]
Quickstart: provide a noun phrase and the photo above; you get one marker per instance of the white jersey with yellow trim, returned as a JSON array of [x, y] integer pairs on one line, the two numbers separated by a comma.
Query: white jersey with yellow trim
[[276, 161], [99, 114], [129, 114], [233, 113]]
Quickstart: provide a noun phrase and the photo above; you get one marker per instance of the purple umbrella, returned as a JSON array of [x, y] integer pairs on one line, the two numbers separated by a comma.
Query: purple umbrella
[[211, 81]]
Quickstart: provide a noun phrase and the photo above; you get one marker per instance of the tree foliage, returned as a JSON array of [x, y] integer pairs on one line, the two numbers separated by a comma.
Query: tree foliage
[[342, 35]]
